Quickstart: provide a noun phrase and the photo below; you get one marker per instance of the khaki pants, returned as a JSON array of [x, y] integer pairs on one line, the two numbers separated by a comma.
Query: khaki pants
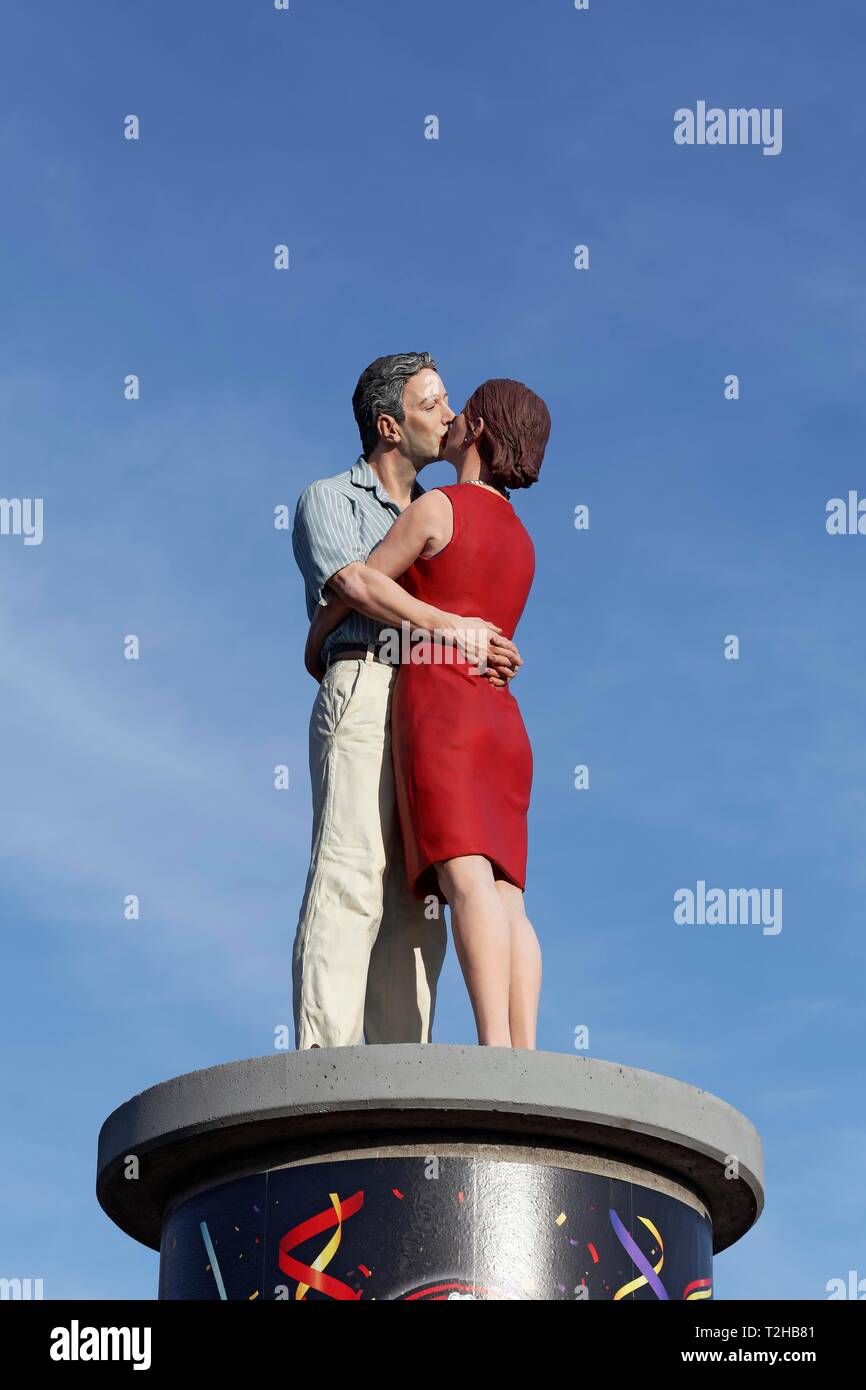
[[366, 959]]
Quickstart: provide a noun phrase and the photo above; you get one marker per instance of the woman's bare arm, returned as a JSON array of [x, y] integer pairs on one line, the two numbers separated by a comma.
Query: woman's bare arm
[[426, 526], [372, 587]]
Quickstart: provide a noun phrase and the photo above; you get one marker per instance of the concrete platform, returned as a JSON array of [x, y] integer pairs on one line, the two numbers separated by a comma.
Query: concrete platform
[[204, 1129]]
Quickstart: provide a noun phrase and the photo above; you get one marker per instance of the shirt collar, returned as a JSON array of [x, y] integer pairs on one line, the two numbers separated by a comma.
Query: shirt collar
[[362, 475]]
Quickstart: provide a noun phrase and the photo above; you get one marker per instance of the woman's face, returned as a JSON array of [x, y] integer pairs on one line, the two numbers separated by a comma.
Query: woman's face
[[453, 445]]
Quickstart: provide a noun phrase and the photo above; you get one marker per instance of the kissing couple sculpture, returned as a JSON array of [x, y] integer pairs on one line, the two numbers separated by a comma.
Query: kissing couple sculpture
[[421, 769]]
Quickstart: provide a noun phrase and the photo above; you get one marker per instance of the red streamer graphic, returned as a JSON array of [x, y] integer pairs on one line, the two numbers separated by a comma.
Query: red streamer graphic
[[314, 1226]]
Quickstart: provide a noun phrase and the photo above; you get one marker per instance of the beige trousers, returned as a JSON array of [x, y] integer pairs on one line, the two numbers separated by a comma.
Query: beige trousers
[[367, 954]]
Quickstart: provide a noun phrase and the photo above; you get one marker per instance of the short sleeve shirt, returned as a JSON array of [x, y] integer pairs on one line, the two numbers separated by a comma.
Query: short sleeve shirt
[[337, 521]]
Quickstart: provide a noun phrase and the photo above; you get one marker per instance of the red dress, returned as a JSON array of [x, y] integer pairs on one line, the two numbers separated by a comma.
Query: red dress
[[462, 758]]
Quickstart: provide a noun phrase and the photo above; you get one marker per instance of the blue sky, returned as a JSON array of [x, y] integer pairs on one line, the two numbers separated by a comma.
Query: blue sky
[[707, 518]]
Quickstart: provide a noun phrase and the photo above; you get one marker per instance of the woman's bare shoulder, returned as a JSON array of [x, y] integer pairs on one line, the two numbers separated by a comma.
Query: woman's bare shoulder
[[432, 508], [435, 516]]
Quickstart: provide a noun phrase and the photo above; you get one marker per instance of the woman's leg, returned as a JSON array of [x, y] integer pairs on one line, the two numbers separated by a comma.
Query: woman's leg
[[482, 939], [525, 980]]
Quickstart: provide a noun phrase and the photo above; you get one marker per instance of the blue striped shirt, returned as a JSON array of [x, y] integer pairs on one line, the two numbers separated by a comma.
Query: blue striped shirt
[[337, 521]]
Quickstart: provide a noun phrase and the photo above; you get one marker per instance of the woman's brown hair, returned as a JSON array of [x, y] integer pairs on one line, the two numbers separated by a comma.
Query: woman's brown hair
[[516, 430]]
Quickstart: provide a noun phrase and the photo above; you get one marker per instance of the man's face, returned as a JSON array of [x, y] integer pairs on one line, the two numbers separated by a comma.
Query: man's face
[[427, 416]]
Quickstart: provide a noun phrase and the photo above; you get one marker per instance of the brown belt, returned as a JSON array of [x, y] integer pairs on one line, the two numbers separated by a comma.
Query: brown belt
[[344, 651]]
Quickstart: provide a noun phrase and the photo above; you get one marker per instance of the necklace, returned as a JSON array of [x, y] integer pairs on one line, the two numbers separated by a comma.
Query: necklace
[[500, 490]]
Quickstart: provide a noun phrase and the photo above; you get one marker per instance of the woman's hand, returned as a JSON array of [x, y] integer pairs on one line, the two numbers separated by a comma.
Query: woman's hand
[[472, 638], [494, 656]]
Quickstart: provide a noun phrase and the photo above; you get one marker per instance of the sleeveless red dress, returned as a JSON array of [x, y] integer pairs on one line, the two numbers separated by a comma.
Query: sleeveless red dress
[[462, 757]]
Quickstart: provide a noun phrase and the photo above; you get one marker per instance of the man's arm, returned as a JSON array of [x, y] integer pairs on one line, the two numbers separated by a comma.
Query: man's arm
[[326, 617]]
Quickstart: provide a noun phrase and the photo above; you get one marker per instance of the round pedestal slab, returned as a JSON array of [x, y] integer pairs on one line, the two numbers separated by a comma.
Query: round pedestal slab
[[406, 1172]]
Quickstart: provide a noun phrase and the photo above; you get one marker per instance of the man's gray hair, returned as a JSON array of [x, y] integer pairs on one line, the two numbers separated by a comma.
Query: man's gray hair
[[380, 392]]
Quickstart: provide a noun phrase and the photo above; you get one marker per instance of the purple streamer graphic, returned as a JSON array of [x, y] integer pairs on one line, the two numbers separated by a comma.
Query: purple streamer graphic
[[638, 1256]]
